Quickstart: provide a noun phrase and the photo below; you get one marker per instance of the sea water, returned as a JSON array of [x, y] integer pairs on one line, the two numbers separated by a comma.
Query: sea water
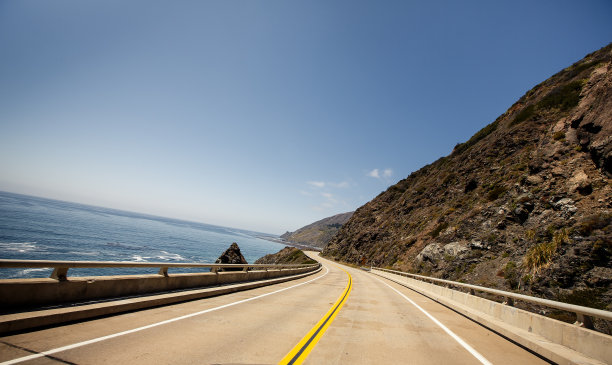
[[34, 228]]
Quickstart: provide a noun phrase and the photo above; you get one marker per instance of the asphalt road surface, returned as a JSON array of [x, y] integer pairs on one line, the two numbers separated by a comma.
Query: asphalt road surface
[[370, 321]]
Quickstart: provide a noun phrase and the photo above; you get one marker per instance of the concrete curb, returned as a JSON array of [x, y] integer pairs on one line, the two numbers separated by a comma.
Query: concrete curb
[[552, 351], [41, 318]]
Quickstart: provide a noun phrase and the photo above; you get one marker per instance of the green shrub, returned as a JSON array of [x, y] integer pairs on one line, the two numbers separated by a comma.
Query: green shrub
[[530, 234], [540, 256], [527, 279], [575, 69], [563, 97], [460, 147], [436, 232], [560, 237], [511, 274], [524, 114], [558, 136], [495, 192]]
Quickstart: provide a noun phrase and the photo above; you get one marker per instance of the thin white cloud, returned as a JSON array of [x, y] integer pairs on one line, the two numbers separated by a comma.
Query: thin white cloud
[[342, 184], [377, 174], [317, 184], [327, 195]]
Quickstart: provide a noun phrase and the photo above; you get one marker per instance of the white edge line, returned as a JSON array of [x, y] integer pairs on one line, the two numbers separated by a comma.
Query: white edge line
[[103, 338], [470, 349]]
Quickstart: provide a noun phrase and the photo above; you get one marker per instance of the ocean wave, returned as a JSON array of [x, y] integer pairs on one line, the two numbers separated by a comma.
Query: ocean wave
[[138, 258], [84, 253], [167, 256], [25, 272], [18, 246]]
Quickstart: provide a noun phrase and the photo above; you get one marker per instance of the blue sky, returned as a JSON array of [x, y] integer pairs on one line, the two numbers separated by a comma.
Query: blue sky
[[262, 115]]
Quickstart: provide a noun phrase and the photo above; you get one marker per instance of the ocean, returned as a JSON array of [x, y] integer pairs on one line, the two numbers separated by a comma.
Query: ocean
[[33, 228]]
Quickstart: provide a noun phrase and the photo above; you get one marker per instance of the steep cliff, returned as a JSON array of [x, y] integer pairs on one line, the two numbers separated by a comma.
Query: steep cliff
[[525, 204]]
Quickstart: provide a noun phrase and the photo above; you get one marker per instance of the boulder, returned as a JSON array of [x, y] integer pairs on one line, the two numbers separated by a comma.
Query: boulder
[[455, 249], [232, 256], [477, 245], [599, 276], [534, 180], [432, 252], [565, 205], [580, 182]]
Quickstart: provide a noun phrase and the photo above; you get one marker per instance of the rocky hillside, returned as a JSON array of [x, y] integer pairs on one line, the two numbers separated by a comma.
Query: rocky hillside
[[525, 204], [319, 233], [288, 255]]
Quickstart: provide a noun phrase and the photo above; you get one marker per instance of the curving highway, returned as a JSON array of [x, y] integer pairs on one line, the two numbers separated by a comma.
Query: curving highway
[[341, 315]]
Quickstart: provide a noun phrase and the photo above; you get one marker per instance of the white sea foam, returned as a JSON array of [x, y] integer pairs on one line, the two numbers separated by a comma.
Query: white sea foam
[[170, 256], [18, 246], [25, 272], [84, 253], [138, 258]]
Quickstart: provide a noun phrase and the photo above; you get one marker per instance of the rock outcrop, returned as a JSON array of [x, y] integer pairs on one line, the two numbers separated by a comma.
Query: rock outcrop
[[525, 204], [232, 256], [288, 255]]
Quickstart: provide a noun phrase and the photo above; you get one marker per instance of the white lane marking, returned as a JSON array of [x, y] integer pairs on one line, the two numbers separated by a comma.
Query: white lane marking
[[103, 338], [471, 350]]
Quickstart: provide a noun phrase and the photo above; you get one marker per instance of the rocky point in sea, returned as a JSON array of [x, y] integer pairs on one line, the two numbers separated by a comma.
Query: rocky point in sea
[[232, 256]]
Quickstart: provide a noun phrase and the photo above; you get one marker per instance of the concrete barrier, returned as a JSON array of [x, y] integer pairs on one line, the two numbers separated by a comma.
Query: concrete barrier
[[20, 294], [557, 341], [28, 320]]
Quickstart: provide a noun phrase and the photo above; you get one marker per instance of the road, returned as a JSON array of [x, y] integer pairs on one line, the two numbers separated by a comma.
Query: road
[[377, 323]]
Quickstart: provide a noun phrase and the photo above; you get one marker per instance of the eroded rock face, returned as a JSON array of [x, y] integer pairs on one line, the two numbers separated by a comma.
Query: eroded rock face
[[232, 256], [455, 249], [592, 119]]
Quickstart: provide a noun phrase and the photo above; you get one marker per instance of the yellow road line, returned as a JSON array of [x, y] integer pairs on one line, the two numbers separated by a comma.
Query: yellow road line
[[298, 354]]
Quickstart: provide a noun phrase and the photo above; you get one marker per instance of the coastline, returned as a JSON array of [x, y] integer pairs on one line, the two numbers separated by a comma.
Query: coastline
[[282, 241]]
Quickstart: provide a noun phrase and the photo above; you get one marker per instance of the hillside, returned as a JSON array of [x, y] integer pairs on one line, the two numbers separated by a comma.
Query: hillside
[[525, 204], [319, 233], [287, 255]]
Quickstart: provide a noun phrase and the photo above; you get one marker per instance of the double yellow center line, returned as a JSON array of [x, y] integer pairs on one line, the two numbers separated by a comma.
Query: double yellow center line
[[298, 354]]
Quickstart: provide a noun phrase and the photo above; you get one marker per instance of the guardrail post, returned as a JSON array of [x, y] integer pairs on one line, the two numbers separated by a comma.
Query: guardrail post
[[60, 273], [214, 270], [584, 321], [163, 271], [509, 302], [245, 269]]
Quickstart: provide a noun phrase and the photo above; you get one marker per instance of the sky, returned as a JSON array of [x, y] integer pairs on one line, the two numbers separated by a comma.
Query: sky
[[262, 115]]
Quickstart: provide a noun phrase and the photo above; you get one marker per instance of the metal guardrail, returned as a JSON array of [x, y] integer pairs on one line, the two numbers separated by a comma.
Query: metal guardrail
[[60, 268], [584, 314]]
